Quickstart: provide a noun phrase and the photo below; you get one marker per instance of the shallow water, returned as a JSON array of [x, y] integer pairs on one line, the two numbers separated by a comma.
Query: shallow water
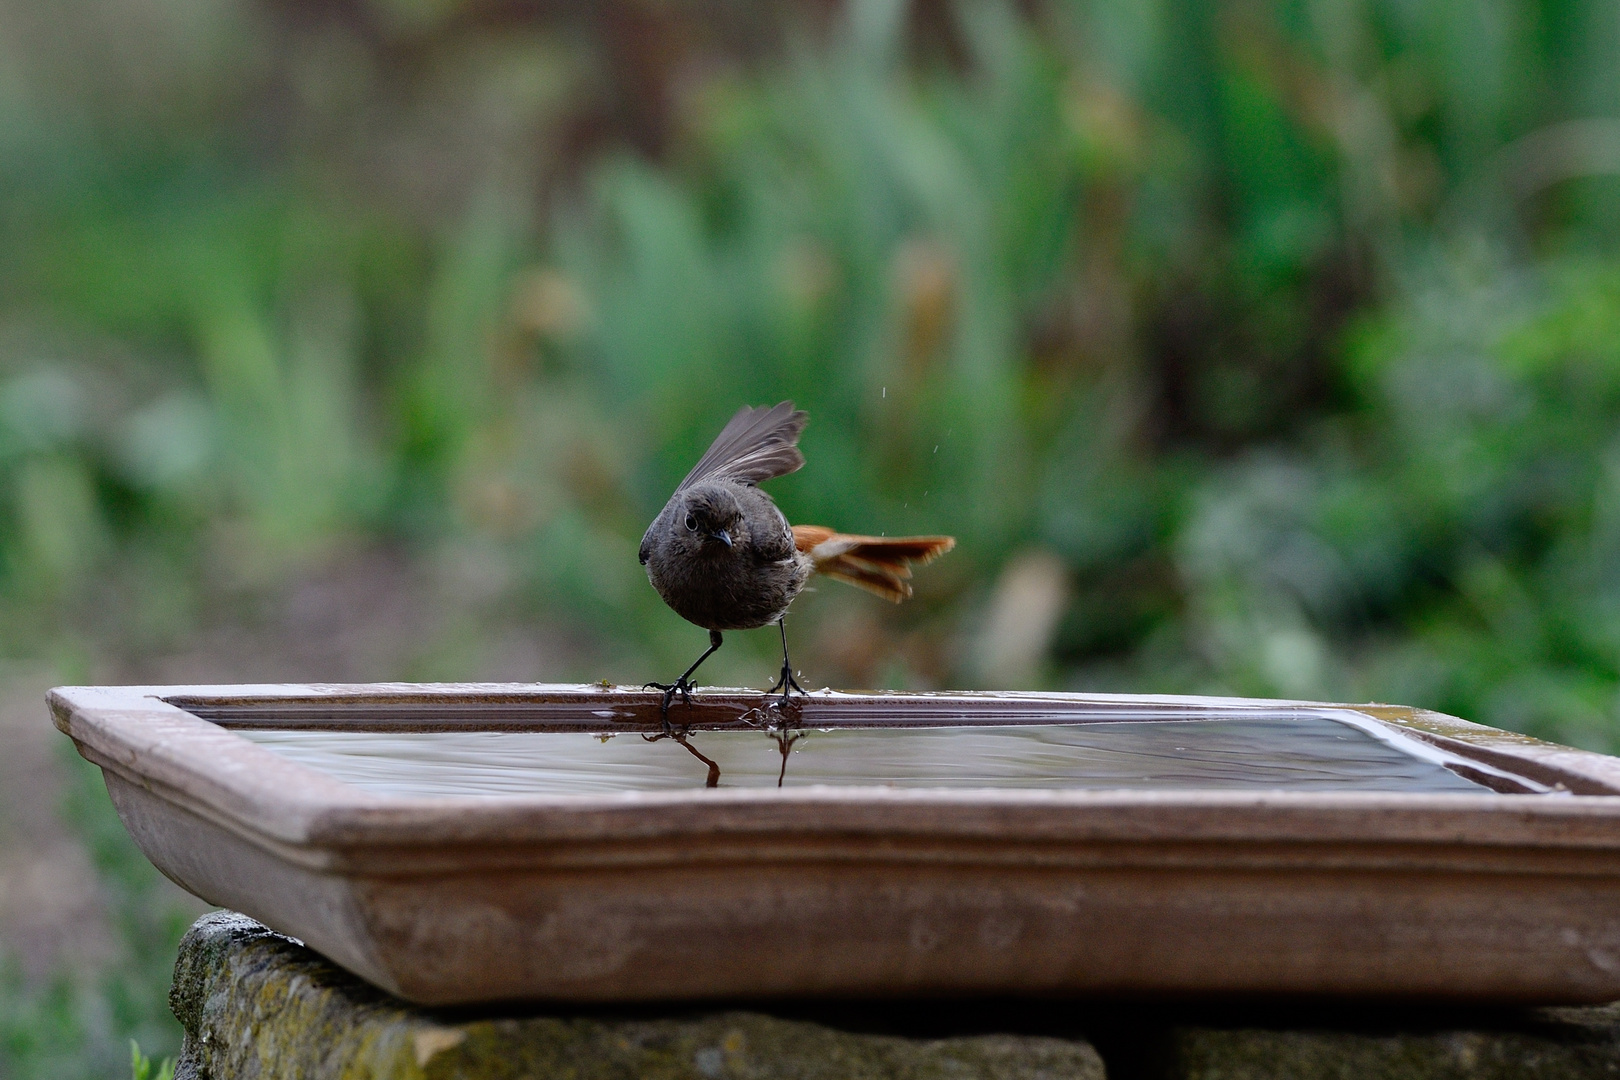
[[1291, 753]]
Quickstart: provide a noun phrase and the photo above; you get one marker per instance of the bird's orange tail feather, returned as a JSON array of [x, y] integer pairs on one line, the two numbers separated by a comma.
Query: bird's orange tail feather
[[878, 564]]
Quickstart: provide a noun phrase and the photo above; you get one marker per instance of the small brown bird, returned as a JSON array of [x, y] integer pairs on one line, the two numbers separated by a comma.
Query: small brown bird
[[723, 556]]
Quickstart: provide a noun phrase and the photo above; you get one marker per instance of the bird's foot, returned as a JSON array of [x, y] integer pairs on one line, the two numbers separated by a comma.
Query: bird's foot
[[786, 718], [682, 686], [786, 683]]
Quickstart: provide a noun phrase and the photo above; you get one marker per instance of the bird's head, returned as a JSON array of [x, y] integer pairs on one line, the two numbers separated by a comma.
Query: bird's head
[[708, 519]]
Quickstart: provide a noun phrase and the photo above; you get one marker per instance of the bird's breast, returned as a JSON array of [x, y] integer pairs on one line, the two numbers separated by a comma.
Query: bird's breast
[[729, 591]]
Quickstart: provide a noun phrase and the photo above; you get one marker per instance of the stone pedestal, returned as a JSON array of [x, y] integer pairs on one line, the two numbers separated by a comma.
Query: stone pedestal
[[1546, 1044], [256, 1005]]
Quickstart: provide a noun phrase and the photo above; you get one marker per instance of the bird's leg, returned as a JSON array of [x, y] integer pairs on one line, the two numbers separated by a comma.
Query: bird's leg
[[683, 685], [779, 731], [786, 682]]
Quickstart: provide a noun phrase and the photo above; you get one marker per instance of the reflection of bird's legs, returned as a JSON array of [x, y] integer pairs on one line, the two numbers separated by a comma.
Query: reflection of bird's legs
[[713, 779], [684, 685], [784, 743], [786, 682]]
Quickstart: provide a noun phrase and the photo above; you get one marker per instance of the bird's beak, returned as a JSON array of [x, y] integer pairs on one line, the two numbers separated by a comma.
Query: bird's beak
[[723, 536]]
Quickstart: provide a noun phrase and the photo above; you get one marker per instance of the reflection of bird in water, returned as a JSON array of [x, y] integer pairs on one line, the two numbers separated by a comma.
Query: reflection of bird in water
[[723, 556]]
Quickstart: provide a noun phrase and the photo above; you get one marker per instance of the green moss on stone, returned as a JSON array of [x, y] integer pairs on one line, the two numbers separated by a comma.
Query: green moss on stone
[[1573, 1044], [256, 1005], [744, 1046]]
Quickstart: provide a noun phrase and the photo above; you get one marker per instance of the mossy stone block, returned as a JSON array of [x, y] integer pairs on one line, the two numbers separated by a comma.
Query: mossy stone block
[[1541, 1044], [256, 1005]]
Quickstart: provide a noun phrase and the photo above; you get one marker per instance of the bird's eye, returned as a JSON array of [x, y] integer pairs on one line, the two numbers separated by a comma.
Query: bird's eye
[[691, 523]]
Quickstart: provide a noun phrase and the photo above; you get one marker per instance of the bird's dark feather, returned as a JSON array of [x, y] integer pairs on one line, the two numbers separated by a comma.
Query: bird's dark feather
[[756, 445]]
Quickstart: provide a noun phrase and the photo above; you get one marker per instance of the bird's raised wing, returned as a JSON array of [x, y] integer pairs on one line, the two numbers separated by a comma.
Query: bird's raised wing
[[756, 445]]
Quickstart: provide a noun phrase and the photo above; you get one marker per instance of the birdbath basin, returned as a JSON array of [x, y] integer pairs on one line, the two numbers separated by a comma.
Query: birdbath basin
[[468, 843]]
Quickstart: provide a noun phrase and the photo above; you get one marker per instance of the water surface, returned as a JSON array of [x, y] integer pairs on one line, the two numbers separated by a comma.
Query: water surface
[[1289, 753]]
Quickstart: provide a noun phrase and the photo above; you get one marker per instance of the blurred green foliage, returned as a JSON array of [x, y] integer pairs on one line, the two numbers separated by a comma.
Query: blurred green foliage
[[141, 1066], [1278, 324], [1288, 333]]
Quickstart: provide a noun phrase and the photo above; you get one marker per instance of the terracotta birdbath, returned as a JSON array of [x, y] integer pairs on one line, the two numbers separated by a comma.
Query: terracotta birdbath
[[468, 843]]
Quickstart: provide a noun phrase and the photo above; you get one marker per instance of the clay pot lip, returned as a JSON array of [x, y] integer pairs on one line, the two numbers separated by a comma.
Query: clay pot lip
[[158, 737]]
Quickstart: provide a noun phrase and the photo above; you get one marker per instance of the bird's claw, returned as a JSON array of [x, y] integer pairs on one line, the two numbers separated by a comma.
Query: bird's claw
[[681, 686], [786, 683], [670, 689]]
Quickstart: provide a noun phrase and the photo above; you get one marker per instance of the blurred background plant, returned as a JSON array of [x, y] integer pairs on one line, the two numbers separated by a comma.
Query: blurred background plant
[[1247, 348]]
